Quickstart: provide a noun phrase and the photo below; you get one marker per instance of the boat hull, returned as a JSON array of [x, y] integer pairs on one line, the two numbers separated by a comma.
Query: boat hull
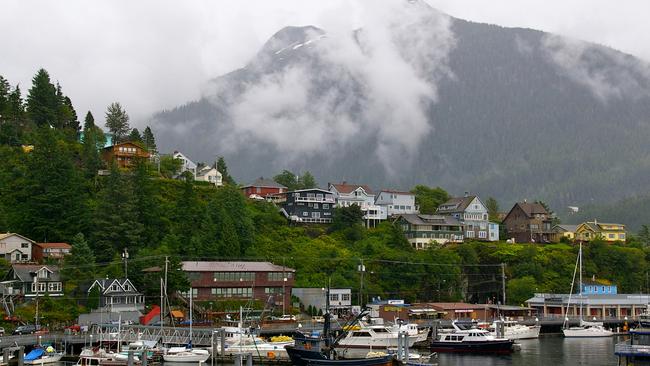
[[302, 357], [44, 360], [500, 346], [586, 333], [530, 333]]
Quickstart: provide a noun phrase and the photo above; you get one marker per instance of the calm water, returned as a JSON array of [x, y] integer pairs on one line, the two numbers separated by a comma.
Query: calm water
[[547, 351]]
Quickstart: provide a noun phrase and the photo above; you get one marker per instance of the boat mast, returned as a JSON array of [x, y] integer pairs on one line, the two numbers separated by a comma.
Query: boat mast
[[326, 324], [580, 254]]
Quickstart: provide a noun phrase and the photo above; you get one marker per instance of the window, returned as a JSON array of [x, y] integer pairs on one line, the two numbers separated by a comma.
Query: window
[[233, 276], [360, 334], [232, 292], [621, 236], [315, 215], [24, 245], [326, 206], [305, 213], [54, 287], [24, 257], [345, 297], [334, 297], [42, 286], [115, 287], [315, 205], [258, 190], [272, 290], [195, 293], [611, 236], [277, 276]]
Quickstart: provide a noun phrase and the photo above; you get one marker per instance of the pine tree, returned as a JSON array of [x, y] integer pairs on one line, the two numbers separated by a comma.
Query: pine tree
[[147, 206], [72, 123], [493, 209], [42, 100], [117, 122], [12, 114], [307, 181], [135, 136], [288, 179], [149, 140], [79, 265], [93, 142], [223, 169], [115, 218]]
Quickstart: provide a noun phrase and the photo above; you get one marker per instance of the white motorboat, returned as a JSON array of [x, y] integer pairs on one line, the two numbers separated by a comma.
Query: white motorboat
[[472, 340], [411, 329], [183, 354], [358, 342], [585, 329], [40, 356], [513, 330]]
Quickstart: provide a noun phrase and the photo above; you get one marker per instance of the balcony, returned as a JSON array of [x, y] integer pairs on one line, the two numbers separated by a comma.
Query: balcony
[[311, 220], [315, 199]]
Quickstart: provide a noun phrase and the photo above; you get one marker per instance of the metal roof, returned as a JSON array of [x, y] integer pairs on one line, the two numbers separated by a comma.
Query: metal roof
[[590, 299], [196, 266]]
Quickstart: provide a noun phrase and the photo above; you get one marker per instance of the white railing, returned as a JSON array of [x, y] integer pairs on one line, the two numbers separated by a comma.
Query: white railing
[[312, 220], [314, 199]]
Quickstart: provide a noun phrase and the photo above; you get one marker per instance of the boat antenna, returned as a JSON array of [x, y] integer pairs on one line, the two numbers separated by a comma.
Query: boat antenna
[[326, 323]]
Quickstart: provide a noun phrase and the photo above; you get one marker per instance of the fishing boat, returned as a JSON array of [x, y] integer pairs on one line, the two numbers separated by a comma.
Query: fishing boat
[[319, 349], [93, 357], [584, 329], [471, 340], [40, 356]]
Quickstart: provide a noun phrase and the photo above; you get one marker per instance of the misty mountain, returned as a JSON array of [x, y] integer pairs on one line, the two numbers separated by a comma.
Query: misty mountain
[[423, 98]]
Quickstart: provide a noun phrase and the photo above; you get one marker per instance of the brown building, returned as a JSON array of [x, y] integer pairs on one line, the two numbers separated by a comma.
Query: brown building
[[528, 223], [214, 281], [42, 251], [124, 154]]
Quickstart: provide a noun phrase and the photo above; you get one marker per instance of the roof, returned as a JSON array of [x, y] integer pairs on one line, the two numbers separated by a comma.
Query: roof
[[590, 299], [457, 204], [457, 306], [196, 266], [597, 226], [529, 209], [136, 144], [421, 219], [24, 272], [345, 187], [55, 245], [397, 192], [7, 235], [597, 282], [265, 183], [311, 189], [105, 282], [569, 228]]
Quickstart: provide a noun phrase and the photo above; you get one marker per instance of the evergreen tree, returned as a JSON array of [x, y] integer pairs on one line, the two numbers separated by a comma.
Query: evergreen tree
[[147, 207], [493, 209], [135, 136], [223, 169], [149, 140], [42, 100], [52, 196], [428, 199], [307, 181], [288, 179], [187, 214], [115, 218], [72, 121], [117, 122], [644, 235], [93, 142], [12, 114], [79, 265]]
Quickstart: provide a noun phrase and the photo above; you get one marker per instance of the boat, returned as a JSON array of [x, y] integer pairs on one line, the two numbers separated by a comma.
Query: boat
[[513, 330], [636, 349], [411, 329], [471, 340], [185, 354], [584, 329], [319, 349], [40, 356], [93, 357], [357, 343]]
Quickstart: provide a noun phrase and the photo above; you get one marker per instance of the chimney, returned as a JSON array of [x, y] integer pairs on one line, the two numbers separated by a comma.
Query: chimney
[[525, 200], [593, 278], [595, 222], [466, 193]]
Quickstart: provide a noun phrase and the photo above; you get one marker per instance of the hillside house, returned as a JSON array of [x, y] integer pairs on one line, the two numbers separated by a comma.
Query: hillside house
[[361, 195], [124, 153], [211, 175], [32, 280], [15, 247], [528, 223], [309, 206], [563, 231], [423, 230], [263, 187], [187, 165], [44, 251], [396, 202], [471, 211], [117, 295], [608, 232]]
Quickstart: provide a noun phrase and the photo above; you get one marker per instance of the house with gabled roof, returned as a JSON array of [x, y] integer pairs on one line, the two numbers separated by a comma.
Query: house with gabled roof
[[117, 294], [528, 223], [15, 247], [347, 194], [563, 231], [32, 280], [263, 187], [471, 211], [608, 232], [422, 231], [124, 154], [309, 206], [187, 165]]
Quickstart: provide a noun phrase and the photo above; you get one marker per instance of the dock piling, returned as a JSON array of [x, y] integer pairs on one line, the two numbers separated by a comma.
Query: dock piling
[[21, 355]]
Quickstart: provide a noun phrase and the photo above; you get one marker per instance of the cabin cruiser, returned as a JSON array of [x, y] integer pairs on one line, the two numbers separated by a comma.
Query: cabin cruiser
[[186, 354], [587, 330], [513, 330], [472, 340], [357, 342]]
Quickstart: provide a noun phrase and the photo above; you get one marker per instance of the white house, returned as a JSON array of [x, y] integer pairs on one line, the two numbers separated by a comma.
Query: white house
[[471, 211], [340, 298], [361, 195], [118, 294], [187, 164], [15, 247], [396, 203], [210, 174]]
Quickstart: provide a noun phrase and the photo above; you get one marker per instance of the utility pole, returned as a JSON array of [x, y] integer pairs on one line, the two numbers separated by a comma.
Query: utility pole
[[284, 281], [362, 269], [37, 289], [164, 293], [503, 281], [125, 258]]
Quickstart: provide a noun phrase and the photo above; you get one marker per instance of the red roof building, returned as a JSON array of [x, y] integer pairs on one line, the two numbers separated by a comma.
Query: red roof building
[[263, 187], [41, 251]]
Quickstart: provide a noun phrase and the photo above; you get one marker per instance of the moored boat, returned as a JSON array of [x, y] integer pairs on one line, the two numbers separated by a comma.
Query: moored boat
[[513, 330], [471, 340], [183, 354], [40, 356]]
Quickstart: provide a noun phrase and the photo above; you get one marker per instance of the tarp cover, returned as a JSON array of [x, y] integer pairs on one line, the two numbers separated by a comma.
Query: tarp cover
[[34, 354]]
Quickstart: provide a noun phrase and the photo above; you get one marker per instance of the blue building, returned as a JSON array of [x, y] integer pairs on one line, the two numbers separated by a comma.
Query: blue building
[[595, 287]]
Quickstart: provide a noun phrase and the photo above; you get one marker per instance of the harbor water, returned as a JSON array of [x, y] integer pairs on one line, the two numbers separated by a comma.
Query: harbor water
[[551, 350]]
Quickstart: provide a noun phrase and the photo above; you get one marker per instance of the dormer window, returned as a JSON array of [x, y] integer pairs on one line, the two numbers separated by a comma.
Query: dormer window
[[115, 287], [127, 287]]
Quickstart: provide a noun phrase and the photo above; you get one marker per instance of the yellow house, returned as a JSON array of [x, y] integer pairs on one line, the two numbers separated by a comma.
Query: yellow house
[[563, 231], [608, 232]]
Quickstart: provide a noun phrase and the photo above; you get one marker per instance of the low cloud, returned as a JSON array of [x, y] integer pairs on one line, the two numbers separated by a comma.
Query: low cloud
[[373, 84], [606, 73]]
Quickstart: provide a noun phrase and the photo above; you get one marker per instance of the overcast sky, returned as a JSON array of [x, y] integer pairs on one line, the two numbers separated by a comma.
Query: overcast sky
[[151, 55]]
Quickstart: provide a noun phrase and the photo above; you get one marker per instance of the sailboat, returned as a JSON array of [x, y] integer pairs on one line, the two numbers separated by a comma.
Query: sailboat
[[585, 329], [187, 353]]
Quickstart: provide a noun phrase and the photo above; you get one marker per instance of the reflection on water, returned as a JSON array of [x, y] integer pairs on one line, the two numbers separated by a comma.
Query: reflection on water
[[547, 351]]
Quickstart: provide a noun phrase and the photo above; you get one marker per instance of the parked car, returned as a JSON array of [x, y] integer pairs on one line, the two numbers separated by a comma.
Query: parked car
[[318, 319], [285, 318], [25, 329]]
